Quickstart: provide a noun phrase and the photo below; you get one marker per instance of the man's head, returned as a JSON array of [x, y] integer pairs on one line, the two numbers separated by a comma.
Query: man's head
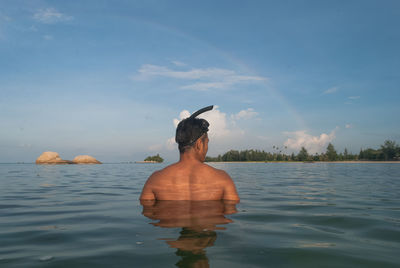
[[189, 130]]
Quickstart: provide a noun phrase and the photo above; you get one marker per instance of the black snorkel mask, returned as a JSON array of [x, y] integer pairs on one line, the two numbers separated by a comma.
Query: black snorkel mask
[[192, 128]]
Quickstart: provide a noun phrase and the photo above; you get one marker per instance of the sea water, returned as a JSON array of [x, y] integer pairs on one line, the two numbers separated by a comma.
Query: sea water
[[290, 215]]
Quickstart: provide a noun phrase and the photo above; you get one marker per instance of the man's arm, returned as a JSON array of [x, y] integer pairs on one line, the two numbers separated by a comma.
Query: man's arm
[[230, 192], [147, 192]]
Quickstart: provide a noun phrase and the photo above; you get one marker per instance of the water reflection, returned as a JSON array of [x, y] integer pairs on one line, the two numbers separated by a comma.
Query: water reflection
[[198, 220]]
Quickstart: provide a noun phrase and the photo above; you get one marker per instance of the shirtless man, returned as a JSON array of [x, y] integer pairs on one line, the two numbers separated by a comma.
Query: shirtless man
[[190, 178]]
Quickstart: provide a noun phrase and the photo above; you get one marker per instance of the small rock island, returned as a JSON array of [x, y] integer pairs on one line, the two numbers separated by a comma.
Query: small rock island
[[53, 158], [85, 159]]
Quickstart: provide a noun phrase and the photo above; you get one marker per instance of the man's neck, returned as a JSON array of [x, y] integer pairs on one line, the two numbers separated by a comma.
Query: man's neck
[[189, 157]]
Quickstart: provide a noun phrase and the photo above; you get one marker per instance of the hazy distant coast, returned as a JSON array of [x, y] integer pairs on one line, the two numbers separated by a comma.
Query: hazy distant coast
[[388, 151]]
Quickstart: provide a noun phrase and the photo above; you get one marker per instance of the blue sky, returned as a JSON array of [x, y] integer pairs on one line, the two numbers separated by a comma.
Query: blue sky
[[112, 78]]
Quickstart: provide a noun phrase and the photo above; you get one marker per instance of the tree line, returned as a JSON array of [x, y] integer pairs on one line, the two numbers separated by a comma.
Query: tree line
[[388, 151], [157, 158]]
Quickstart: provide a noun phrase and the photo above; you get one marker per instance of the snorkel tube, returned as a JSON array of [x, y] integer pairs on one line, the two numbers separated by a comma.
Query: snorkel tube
[[202, 110]]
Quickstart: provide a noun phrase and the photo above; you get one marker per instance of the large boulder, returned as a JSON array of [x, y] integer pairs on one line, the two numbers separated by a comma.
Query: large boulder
[[51, 158], [85, 159]]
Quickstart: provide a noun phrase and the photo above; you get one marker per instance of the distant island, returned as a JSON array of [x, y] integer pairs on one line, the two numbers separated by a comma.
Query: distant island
[[389, 151], [152, 159]]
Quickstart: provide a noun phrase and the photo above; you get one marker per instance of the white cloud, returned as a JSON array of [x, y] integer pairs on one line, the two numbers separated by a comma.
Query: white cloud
[[178, 63], [206, 86], [331, 90], [348, 126], [50, 15], [48, 37], [203, 79], [353, 97], [149, 70], [245, 114], [313, 144], [218, 123]]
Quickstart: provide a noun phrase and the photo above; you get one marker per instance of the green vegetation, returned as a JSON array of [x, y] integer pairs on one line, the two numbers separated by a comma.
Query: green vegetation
[[157, 158], [389, 151], [331, 153], [303, 155]]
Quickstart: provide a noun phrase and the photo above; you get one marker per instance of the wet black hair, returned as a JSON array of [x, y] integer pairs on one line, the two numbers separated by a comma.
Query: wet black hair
[[190, 129]]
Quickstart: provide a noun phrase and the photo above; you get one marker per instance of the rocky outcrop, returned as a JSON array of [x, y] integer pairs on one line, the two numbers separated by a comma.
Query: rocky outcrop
[[51, 158], [85, 159], [54, 158]]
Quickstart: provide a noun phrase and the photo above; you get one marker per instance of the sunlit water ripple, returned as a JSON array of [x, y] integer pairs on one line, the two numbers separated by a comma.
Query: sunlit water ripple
[[290, 215]]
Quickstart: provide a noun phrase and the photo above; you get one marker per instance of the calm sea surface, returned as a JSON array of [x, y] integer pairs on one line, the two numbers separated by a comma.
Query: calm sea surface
[[290, 215]]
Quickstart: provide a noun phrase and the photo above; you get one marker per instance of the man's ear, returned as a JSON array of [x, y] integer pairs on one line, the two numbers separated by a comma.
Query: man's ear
[[198, 144]]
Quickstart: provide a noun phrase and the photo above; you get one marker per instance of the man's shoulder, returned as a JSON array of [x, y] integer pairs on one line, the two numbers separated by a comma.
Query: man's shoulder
[[219, 173], [165, 171]]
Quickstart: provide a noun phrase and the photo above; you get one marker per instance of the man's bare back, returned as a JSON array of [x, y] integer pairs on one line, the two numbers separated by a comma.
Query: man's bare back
[[184, 181]]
